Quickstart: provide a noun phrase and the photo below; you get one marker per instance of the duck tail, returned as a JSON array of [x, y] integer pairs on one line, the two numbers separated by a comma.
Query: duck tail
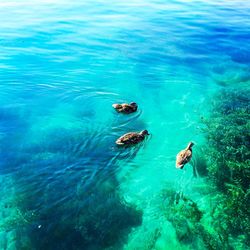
[[116, 106], [119, 142]]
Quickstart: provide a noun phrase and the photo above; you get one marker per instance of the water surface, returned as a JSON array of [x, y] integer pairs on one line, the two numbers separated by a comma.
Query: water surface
[[64, 183]]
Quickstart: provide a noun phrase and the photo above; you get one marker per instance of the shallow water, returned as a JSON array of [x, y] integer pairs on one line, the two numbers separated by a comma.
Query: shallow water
[[65, 185]]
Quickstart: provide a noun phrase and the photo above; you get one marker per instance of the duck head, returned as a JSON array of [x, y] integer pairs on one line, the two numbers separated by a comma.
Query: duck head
[[144, 132], [134, 105], [190, 145]]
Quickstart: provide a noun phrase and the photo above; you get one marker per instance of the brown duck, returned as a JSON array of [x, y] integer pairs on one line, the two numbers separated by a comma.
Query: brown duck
[[132, 138], [125, 107], [184, 156]]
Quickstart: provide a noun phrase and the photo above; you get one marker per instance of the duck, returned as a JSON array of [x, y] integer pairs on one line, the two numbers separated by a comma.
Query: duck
[[132, 138], [126, 108], [184, 156]]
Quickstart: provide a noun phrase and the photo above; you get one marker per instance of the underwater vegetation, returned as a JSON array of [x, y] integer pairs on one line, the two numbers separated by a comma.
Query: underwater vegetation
[[227, 131], [187, 220], [12, 217], [221, 218], [184, 214], [103, 221], [88, 214], [228, 138]]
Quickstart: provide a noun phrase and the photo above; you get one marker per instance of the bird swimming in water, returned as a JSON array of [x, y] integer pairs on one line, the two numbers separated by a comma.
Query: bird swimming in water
[[184, 156], [132, 138], [125, 108]]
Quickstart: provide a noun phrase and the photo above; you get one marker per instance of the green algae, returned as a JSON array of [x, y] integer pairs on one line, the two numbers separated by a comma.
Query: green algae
[[221, 219], [227, 131], [13, 219]]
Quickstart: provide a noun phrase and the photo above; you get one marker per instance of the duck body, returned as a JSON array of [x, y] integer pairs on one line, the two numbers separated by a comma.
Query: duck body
[[132, 138], [184, 156], [125, 108]]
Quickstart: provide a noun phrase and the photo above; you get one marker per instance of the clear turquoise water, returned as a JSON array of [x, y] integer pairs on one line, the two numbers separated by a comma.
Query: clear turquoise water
[[64, 183]]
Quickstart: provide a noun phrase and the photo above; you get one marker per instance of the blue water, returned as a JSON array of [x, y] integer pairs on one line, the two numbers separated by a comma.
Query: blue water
[[65, 185]]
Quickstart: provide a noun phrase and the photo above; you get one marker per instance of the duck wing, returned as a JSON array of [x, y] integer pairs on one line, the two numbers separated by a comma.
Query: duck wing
[[124, 139], [183, 157], [127, 108], [130, 138]]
